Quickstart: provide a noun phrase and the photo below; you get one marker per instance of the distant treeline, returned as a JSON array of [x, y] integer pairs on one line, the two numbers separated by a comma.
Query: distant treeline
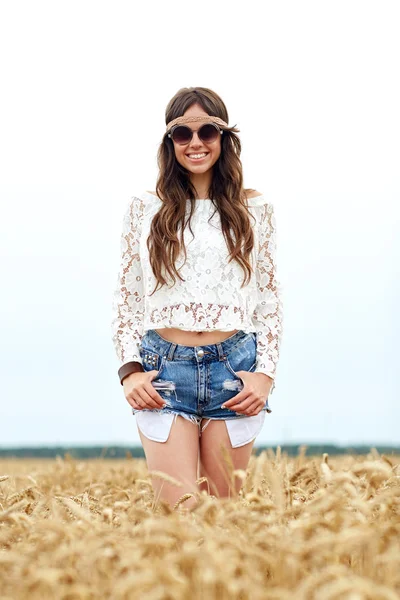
[[81, 452]]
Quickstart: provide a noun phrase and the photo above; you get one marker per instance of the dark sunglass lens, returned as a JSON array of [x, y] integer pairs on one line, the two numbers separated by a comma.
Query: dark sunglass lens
[[208, 133], [182, 135]]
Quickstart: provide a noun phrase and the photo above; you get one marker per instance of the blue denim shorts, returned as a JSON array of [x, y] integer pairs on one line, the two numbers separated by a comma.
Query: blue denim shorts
[[194, 381]]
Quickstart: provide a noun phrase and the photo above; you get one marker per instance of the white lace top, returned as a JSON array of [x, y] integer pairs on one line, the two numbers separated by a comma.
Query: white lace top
[[210, 297]]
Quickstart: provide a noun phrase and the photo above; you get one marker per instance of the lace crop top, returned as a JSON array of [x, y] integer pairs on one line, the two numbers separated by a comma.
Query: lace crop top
[[210, 298]]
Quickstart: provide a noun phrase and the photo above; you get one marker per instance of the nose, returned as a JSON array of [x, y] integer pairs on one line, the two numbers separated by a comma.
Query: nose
[[196, 141]]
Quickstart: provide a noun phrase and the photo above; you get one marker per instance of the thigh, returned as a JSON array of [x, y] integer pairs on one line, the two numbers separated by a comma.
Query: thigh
[[177, 457], [214, 444]]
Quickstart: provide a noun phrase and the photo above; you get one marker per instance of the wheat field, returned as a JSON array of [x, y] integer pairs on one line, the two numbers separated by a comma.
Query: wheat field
[[303, 528]]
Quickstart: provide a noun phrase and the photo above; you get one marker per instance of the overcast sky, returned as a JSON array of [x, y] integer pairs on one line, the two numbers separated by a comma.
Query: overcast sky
[[314, 89]]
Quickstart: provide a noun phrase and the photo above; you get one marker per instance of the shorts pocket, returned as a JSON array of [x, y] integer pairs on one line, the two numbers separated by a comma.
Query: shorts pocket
[[233, 372], [243, 357], [152, 360]]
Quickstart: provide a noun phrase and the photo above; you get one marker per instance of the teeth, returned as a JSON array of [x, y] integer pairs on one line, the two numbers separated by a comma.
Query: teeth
[[197, 155]]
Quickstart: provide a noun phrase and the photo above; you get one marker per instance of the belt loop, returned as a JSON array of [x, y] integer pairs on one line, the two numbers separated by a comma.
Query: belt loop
[[171, 351], [220, 351]]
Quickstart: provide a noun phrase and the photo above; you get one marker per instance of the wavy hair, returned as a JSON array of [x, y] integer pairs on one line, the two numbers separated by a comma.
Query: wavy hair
[[174, 188]]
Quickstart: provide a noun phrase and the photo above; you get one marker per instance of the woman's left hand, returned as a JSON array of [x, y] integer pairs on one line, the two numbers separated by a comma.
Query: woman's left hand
[[251, 399]]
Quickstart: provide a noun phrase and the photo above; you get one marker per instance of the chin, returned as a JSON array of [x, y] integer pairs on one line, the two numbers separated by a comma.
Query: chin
[[200, 168]]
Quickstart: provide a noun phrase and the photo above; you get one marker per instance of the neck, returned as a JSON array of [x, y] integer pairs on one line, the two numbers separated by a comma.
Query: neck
[[201, 183]]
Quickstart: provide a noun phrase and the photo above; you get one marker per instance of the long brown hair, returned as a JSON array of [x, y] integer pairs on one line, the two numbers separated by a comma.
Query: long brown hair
[[174, 187]]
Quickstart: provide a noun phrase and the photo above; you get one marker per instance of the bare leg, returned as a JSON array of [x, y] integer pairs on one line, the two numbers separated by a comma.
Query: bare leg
[[177, 457], [212, 464]]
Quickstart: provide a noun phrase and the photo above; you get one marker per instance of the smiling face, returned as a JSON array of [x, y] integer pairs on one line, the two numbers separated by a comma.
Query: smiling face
[[212, 151]]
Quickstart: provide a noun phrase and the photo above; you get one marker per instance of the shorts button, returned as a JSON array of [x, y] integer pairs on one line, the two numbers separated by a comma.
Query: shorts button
[[200, 353]]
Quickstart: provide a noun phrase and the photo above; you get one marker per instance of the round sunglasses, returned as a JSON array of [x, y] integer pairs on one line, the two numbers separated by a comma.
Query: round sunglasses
[[182, 134]]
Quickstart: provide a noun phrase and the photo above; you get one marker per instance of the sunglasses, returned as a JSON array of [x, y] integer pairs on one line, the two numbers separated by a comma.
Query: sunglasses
[[181, 134]]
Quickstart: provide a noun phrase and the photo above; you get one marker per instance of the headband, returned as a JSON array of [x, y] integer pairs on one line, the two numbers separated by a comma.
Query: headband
[[184, 120]]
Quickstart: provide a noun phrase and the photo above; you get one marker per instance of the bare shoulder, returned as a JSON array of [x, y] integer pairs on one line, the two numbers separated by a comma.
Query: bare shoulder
[[250, 193]]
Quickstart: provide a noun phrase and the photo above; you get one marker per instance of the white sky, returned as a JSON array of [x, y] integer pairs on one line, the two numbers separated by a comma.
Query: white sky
[[314, 89]]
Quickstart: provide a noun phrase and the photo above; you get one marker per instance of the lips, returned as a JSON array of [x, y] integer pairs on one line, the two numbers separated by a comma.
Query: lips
[[198, 159]]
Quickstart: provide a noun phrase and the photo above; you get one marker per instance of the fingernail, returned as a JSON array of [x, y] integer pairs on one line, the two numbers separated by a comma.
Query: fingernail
[[223, 406]]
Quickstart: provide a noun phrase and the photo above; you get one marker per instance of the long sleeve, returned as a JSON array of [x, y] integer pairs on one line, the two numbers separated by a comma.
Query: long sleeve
[[128, 299], [268, 314]]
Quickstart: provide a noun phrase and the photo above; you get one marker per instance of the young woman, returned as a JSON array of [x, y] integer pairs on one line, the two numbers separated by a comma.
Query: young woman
[[197, 311]]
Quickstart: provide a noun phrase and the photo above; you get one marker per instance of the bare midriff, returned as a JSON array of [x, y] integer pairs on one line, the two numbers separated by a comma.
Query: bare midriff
[[194, 338]]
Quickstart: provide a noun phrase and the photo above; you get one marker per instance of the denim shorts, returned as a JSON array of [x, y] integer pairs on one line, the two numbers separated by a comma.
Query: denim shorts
[[194, 381]]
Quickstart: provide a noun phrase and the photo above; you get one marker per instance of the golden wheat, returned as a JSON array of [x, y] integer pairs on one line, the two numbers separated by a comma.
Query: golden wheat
[[309, 528]]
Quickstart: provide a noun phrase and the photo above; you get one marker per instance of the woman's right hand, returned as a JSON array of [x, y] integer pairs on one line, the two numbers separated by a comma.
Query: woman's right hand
[[140, 393]]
